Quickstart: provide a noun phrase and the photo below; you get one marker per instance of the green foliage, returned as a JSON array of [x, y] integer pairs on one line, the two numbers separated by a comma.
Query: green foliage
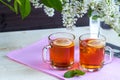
[[9, 0], [119, 0], [6, 4], [22, 6], [95, 17], [69, 74], [56, 4], [72, 73], [119, 35], [25, 8], [90, 12]]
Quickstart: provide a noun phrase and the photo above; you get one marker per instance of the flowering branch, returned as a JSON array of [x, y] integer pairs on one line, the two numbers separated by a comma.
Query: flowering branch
[[71, 10], [106, 10], [24, 6]]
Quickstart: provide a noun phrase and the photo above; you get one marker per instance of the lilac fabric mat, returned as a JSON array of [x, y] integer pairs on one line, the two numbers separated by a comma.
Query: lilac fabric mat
[[31, 56]]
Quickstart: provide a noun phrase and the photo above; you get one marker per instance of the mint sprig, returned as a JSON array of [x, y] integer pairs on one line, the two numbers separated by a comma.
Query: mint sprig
[[72, 73]]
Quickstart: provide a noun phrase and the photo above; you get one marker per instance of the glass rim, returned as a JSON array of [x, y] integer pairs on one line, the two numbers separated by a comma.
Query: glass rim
[[49, 37], [92, 38]]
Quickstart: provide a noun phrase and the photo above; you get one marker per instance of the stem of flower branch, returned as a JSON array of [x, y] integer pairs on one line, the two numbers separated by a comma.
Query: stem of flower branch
[[8, 5]]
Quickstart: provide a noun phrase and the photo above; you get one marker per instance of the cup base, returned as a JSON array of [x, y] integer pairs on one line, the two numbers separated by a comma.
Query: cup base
[[91, 70], [61, 68]]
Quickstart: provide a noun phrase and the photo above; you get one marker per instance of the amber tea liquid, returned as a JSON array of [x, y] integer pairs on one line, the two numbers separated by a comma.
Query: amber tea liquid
[[62, 53], [91, 54]]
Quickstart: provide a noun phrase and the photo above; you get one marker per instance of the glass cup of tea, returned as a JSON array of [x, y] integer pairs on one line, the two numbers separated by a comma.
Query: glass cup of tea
[[60, 50], [92, 52]]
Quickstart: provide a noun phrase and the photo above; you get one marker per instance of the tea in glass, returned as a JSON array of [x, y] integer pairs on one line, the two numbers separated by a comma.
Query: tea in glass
[[61, 50], [92, 51], [62, 53]]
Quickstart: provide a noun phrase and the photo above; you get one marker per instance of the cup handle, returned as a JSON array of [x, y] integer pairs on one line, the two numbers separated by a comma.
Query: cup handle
[[45, 53], [109, 51]]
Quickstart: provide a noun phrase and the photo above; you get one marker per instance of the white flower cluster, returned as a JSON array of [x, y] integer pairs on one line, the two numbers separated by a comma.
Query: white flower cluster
[[72, 10], [110, 14], [48, 11], [36, 3], [106, 10]]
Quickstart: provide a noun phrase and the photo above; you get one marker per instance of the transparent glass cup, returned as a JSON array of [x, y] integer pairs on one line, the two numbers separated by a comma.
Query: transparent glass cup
[[60, 50], [92, 52]]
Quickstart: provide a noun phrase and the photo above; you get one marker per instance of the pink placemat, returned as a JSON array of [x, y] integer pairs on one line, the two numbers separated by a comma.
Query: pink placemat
[[32, 56]]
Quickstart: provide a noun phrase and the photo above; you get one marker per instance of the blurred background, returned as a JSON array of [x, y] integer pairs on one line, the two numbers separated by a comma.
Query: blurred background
[[9, 21]]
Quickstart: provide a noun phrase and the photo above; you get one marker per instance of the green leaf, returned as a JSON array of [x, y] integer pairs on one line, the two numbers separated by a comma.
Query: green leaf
[[16, 6], [95, 17], [90, 12], [8, 0], [72, 73], [18, 1], [69, 74], [25, 8], [46, 2], [119, 35], [81, 1], [56, 4], [8, 5], [78, 72], [118, 2]]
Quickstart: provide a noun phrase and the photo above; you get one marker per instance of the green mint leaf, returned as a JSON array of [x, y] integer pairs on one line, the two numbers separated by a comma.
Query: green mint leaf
[[78, 72], [69, 74], [72, 73]]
